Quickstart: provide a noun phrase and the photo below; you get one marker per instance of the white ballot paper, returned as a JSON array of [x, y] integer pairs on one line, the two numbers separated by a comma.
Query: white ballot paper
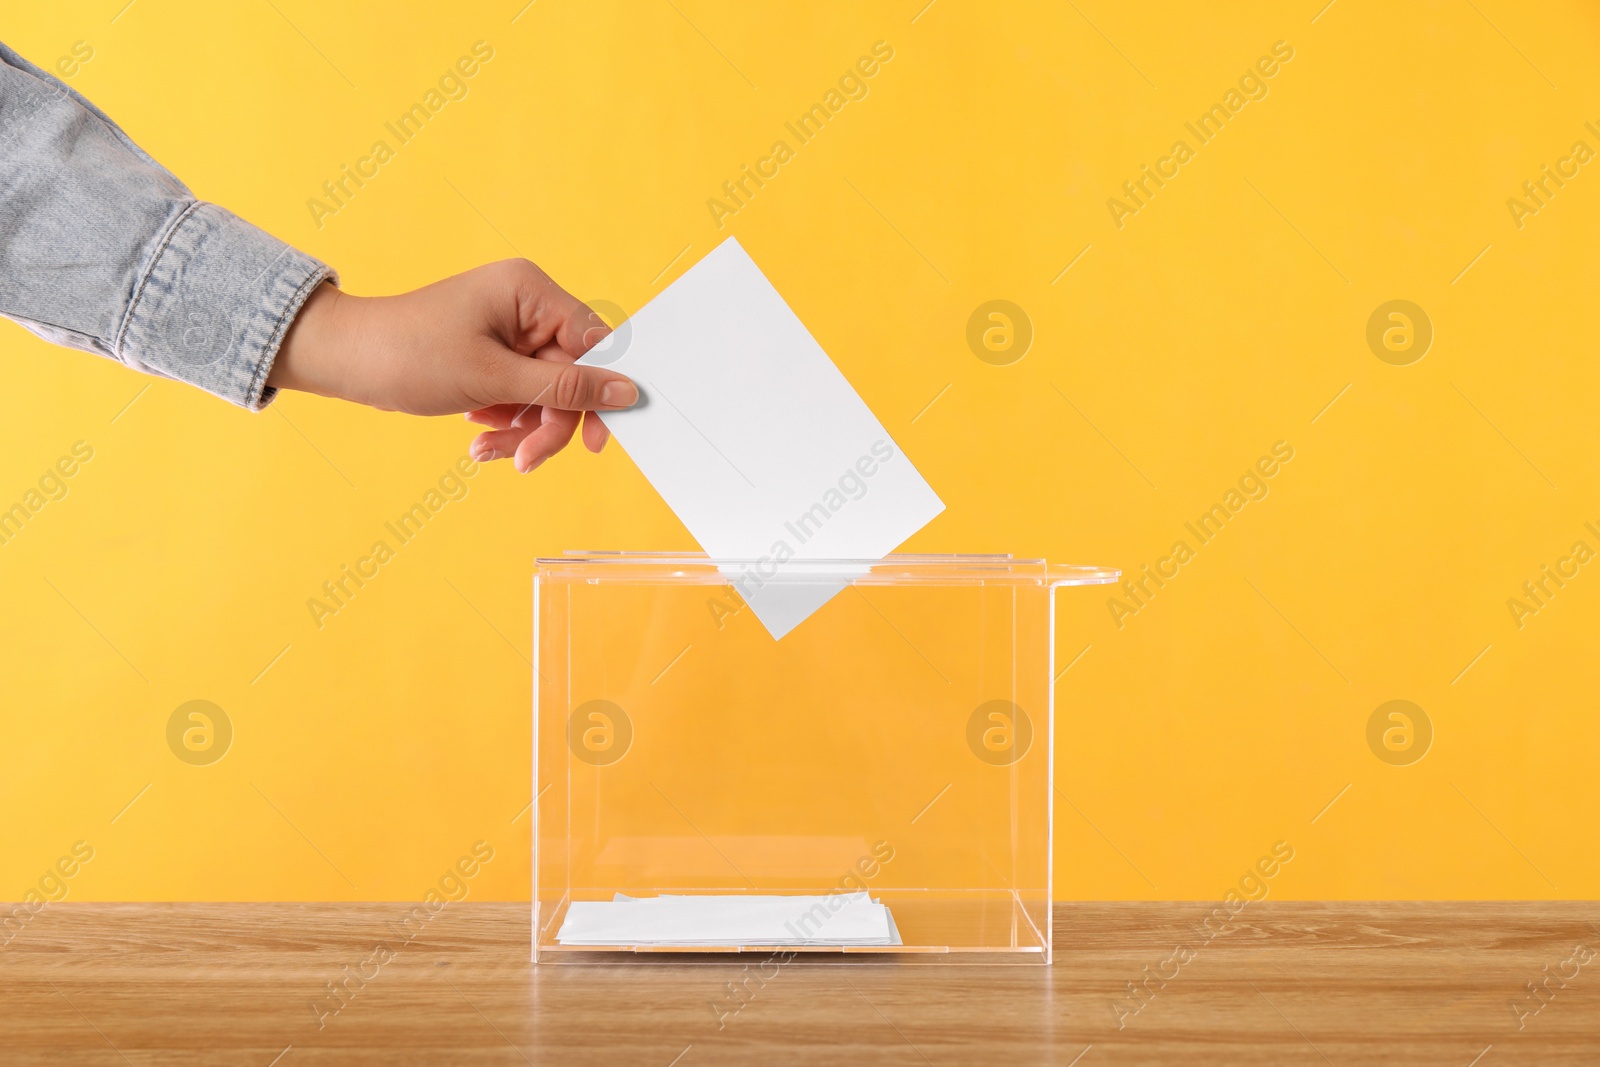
[[835, 920], [757, 442]]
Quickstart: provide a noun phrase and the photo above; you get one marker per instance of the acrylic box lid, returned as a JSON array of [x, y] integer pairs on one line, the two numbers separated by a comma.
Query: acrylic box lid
[[697, 568]]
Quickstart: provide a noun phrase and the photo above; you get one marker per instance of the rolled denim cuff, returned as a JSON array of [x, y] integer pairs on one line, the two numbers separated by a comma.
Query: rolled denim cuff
[[214, 303]]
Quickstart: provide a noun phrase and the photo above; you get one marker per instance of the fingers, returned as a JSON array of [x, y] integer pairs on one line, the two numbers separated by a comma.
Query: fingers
[[497, 416], [547, 383], [506, 442], [547, 314], [577, 327], [539, 398], [497, 444], [593, 331], [550, 437], [595, 434]]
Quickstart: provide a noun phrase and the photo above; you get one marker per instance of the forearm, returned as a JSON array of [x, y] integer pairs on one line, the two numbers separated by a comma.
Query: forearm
[[318, 353], [103, 249]]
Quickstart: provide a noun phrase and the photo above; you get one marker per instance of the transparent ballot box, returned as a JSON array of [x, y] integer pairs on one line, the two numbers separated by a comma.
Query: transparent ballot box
[[877, 781]]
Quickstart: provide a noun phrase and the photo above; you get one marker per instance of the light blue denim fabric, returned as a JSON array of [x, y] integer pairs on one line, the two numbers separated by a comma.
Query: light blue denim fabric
[[101, 248]]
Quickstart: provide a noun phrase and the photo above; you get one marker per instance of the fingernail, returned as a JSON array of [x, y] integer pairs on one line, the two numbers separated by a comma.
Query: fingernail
[[619, 394], [535, 466], [485, 455]]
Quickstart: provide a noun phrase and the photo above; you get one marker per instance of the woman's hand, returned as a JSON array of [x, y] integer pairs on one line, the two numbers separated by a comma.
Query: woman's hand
[[497, 343]]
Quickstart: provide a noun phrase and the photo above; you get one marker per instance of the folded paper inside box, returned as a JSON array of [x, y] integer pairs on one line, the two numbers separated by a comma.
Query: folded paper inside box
[[840, 920]]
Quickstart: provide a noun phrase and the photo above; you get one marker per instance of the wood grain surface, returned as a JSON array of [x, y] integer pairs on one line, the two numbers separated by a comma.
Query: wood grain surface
[[1284, 983]]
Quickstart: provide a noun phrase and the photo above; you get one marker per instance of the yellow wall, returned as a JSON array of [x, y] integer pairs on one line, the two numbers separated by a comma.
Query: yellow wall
[[1227, 314]]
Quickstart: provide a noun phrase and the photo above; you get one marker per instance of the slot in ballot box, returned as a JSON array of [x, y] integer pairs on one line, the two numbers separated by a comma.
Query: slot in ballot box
[[878, 781]]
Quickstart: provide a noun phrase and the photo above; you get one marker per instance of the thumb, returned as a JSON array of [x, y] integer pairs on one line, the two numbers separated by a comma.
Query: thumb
[[531, 380]]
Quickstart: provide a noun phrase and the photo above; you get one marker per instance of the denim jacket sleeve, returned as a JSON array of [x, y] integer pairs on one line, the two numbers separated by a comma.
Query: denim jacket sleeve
[[101, 248]]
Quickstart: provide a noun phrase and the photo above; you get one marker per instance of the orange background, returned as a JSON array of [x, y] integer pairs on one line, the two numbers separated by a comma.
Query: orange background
[[1229, 313]]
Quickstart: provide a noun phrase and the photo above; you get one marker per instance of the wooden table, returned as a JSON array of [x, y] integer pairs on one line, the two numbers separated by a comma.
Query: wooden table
[[1288, 983]]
